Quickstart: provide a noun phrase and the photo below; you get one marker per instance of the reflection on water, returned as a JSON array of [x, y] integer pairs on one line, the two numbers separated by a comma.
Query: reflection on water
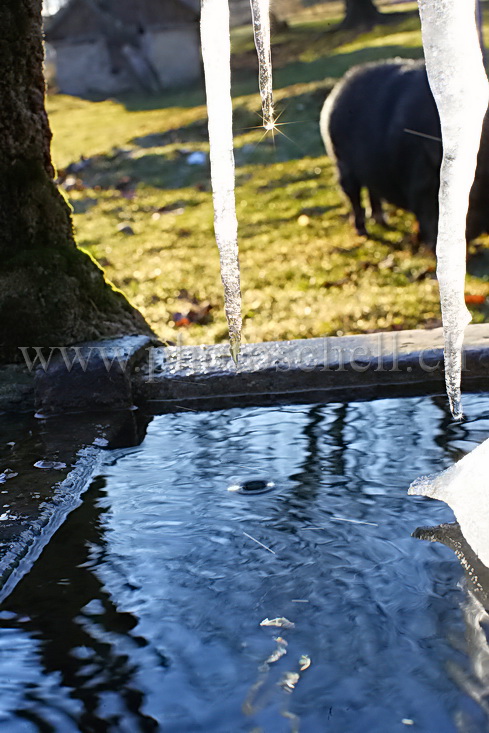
[[475, 610], [465, 488], [144, 611]]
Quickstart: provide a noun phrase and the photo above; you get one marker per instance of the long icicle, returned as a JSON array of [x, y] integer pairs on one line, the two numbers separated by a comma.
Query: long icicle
[[216, 54], [260, 11], [460, 88]]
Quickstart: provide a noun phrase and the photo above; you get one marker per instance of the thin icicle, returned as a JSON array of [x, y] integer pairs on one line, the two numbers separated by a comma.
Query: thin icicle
[[216, 54], [459, 85], [260, 11]]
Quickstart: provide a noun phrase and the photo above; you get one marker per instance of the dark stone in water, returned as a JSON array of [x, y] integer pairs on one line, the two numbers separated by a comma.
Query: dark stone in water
[[251, 486]]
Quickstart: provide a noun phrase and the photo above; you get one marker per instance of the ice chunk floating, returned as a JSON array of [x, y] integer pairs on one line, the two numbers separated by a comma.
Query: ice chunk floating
[[459, 84], [465, 488], [216, 54]]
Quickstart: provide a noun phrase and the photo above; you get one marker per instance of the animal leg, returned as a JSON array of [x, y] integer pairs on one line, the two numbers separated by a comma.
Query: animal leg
[[376, 210], [427, 216], [352, 189]]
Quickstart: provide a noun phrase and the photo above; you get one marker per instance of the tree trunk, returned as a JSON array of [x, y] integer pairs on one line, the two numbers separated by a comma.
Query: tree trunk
[[51, 293], [361, 14]]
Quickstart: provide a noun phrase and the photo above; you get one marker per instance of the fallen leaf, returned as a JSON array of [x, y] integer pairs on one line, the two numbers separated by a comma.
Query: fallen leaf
[[282, 622], [429, 272], [125, 228], [279, 652], [475, 299], [289, 681], [335, 283], [180, 321], [195, 313]]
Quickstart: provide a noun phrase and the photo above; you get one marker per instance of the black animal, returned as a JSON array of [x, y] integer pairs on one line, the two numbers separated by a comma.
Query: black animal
[[381, 126]]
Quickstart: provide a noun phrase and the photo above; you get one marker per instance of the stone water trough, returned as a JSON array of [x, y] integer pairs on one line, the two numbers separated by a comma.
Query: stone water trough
[[100, 395]]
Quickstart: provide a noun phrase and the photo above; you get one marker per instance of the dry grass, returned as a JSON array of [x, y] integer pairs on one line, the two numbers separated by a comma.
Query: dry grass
[[304, 270]]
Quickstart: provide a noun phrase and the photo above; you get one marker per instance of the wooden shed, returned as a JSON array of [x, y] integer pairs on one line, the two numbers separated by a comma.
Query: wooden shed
[[106, 47]]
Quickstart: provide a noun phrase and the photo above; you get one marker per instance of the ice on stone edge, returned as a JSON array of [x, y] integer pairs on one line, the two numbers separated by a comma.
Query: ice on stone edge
[[460, 88], [260, 11], [216, 54], [465, 488]]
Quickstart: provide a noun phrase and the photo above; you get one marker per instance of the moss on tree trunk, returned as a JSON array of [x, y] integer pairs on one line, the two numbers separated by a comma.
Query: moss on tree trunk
[[51, 293]]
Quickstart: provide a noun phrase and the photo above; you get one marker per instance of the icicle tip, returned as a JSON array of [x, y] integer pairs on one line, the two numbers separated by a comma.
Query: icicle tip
[[235, 348], [456, 409]]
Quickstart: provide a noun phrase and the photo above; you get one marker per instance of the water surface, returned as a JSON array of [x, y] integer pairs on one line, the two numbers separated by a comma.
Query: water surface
[[144, 611]]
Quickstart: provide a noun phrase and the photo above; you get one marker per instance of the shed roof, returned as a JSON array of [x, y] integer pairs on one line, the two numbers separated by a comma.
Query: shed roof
[[83, 18]]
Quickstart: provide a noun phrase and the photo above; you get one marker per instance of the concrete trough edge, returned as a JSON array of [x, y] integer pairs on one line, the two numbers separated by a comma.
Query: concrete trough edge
[[322, 369], [164, 379], [22, 555], [204, 378]]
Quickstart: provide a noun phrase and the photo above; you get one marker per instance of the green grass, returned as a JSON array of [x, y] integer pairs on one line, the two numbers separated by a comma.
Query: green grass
[[304, 270]]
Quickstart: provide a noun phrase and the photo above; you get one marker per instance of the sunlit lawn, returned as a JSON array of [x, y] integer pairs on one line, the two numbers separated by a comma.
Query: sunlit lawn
[[304, 270]]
